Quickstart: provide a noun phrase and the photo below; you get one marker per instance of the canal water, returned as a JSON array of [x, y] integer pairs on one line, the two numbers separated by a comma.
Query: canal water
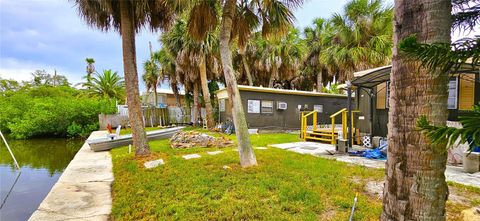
[[42, 161]]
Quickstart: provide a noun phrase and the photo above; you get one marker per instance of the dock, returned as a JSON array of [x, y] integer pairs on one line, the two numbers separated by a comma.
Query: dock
[[105, 143]]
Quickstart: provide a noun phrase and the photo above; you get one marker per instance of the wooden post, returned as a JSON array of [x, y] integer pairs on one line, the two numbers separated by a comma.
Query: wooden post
[[315, 121]]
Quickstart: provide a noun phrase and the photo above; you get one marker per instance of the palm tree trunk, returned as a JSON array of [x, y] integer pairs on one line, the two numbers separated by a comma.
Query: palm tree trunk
[[206, 93], [196, 104], [320, 81], [176, 94], [247, 70], [415, 187], [156, 95], [131, 80], [272, 77], [247, 157]]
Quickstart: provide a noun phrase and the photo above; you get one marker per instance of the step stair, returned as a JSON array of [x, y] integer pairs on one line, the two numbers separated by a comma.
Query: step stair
[[323, 135]]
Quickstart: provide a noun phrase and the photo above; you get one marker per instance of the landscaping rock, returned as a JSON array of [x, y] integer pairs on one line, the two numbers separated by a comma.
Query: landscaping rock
[[191, 156], [215, 152], [189, 139], [153, 163]]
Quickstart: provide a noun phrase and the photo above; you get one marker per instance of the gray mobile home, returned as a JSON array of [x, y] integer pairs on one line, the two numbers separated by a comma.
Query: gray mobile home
[[279, 109]]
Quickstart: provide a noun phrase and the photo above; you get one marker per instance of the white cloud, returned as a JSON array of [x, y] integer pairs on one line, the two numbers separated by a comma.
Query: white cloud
[[21, 70]]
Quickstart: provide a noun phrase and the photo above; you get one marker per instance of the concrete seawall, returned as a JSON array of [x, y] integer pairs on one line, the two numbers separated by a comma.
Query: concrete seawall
[[83, 192]]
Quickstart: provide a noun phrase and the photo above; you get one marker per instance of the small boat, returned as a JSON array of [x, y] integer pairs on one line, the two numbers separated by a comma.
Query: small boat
[[102, 144]]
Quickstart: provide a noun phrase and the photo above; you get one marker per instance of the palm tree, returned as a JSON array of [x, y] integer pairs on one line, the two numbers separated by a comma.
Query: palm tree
[[168, 72], [128, 17], [151, 78], [415, 188], [192, 59], [276, 19], [106, 85], [361, 38], [90, 67], [316, 39]]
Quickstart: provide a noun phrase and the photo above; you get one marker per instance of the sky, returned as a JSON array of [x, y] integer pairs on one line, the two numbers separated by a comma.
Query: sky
[[49, 35]]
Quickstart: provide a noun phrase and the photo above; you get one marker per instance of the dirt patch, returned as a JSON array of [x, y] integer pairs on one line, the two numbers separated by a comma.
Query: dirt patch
[[375, 189], [328, 215]]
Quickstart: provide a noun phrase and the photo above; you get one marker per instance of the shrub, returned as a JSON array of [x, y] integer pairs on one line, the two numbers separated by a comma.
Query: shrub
[[51, 111]]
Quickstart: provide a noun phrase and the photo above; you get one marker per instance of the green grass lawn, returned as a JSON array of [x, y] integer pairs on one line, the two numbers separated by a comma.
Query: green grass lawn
[[284, 186]]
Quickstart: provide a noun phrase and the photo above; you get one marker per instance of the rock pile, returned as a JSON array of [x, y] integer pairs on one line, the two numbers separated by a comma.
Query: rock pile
[[189, 139]]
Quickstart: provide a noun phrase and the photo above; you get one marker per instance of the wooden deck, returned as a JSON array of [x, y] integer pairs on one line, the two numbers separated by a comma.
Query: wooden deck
[[102, 144]]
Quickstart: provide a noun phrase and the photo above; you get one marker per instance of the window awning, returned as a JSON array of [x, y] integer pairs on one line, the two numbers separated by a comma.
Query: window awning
[[372, 77], [375, 76]]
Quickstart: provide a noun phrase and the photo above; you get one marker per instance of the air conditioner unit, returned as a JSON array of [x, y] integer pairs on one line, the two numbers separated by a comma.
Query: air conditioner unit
[[281, 105]]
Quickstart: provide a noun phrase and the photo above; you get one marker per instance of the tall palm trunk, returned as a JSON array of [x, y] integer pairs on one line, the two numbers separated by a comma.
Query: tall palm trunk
[[247, 157], [415, 188], [156, 95], [320, 81], [247, 70], [206, 93], [131, 80], [273, 76], [176, 94], [196, 104]]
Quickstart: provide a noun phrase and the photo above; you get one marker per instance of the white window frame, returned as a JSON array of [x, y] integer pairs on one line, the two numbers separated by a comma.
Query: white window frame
[[253, 106], [265, 105], [455, 80]]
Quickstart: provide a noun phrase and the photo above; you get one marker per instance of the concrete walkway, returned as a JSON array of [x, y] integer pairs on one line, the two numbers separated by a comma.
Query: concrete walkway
[[454, 174], [83, 192]]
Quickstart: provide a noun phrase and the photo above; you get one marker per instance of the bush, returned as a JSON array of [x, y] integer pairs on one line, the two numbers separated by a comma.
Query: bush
[[51, 111]]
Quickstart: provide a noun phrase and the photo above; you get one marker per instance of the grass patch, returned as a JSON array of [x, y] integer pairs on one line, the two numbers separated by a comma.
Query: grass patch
[[285, 185]]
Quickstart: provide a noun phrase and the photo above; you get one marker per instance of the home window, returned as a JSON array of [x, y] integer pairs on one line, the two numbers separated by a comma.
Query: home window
[[381, 96], [452, 93], [267, 107], [466, 92], [253, 106]]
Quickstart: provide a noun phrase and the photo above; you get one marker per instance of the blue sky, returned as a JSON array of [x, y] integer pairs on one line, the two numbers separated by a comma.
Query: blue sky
[[49, 34]]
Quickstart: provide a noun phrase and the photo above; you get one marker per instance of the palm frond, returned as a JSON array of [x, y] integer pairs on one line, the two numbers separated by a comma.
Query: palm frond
[[203, 18], [443, 56], [470, 131], [466, 15]]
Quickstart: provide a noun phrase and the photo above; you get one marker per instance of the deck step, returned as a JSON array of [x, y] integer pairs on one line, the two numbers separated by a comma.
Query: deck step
[[317, 138], [325, 131], [321, 134]]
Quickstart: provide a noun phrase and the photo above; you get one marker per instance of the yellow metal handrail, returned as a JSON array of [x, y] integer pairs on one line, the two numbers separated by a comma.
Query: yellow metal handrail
[[304, 122], [344, 112], [338, 112]]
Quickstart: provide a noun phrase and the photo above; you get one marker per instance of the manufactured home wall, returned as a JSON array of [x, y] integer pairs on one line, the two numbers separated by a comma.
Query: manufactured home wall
[[380, 116], [454, 114], [286, 119]]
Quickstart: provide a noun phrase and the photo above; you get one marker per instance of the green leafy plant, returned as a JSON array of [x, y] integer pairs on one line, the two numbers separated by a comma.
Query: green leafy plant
[[470, 131]]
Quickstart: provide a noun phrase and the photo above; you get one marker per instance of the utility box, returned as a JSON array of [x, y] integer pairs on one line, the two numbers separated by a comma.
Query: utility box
[[471, 162], [376, 141], [342, 146]]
